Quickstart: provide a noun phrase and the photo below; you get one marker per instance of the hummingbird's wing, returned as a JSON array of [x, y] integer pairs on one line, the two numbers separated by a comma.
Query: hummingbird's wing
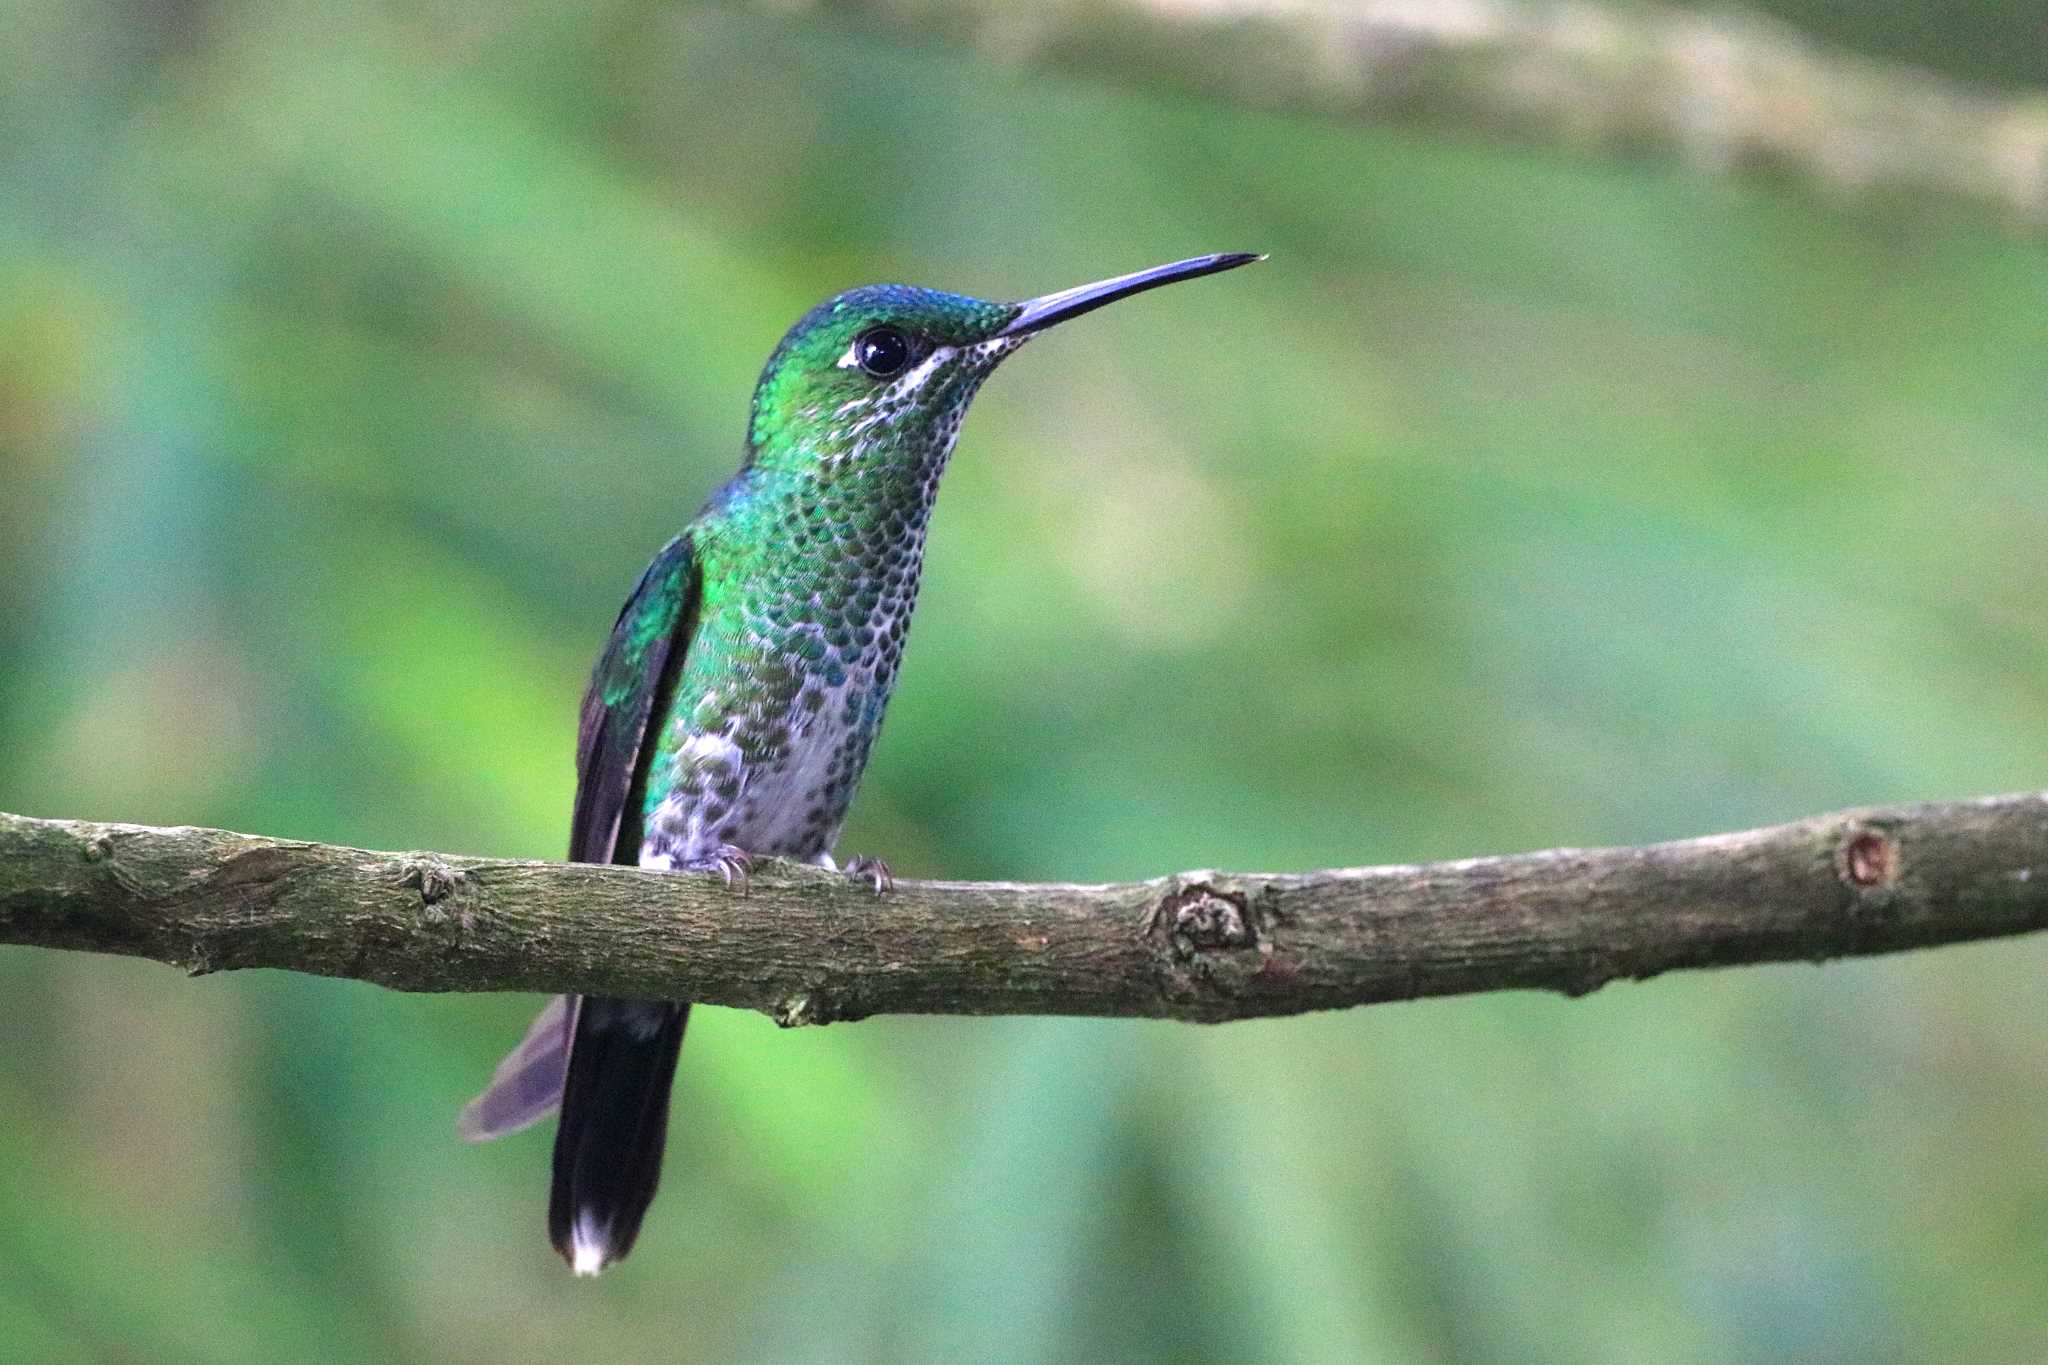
[[638, 664], [646, 648]]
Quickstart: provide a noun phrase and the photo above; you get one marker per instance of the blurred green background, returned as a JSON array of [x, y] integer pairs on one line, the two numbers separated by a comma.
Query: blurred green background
[[353, 360]]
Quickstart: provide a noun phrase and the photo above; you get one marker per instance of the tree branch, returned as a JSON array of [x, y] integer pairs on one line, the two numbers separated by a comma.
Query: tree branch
[[808, 946], [1724, 91]]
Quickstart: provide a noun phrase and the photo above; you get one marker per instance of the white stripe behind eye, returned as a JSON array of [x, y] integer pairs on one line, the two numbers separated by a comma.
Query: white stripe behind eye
[[849, 361], [910, 381]]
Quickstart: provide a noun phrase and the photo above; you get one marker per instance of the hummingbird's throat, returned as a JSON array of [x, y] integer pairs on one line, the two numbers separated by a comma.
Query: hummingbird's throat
[[914, 419]]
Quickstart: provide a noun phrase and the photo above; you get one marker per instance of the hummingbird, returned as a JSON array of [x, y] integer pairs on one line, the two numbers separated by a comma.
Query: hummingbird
[[733, 709]]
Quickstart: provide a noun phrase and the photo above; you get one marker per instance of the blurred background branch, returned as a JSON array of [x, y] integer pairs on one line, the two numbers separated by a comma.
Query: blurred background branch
[[809, 946], [1725, 90]]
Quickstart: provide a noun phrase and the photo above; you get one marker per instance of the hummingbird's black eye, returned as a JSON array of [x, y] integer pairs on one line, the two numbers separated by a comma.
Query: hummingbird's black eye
[[882, 351]]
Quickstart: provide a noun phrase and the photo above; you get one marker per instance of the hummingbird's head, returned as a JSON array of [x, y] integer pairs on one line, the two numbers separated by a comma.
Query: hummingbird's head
[[886, 371]]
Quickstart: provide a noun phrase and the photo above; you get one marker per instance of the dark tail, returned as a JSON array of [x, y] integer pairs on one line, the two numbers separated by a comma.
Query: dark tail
[[614, 1124]]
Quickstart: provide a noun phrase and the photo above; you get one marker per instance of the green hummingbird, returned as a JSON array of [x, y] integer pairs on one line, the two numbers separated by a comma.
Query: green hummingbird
[[733, 709]]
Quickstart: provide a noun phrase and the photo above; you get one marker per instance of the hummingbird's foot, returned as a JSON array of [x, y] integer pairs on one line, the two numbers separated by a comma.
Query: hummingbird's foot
[[873, 871], [728, 861]]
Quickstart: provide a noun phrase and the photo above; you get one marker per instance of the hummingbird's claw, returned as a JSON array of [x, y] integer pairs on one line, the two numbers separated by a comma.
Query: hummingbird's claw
[[873, 871], [728, 861]]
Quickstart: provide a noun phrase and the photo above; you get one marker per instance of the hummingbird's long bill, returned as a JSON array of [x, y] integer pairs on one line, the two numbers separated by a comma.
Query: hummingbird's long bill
[[1045, 310]]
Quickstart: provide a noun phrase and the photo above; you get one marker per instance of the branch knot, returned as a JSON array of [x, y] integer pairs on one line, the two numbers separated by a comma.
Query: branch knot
[[1198, 917], [432, 878], [1868, 859]]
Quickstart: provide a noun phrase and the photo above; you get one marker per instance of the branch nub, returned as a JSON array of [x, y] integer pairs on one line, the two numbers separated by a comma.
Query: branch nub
[[1199, 917], [1868, 859]]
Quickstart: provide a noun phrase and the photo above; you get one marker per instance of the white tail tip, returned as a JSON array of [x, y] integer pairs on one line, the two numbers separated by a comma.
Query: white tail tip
[[586, 1249]]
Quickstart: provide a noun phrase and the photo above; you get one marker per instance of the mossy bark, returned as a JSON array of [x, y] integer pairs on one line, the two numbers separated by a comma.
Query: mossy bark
[[807, 946]]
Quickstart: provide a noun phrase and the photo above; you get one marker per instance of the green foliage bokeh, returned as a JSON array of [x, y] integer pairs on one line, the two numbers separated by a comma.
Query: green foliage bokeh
[[351, 366]]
